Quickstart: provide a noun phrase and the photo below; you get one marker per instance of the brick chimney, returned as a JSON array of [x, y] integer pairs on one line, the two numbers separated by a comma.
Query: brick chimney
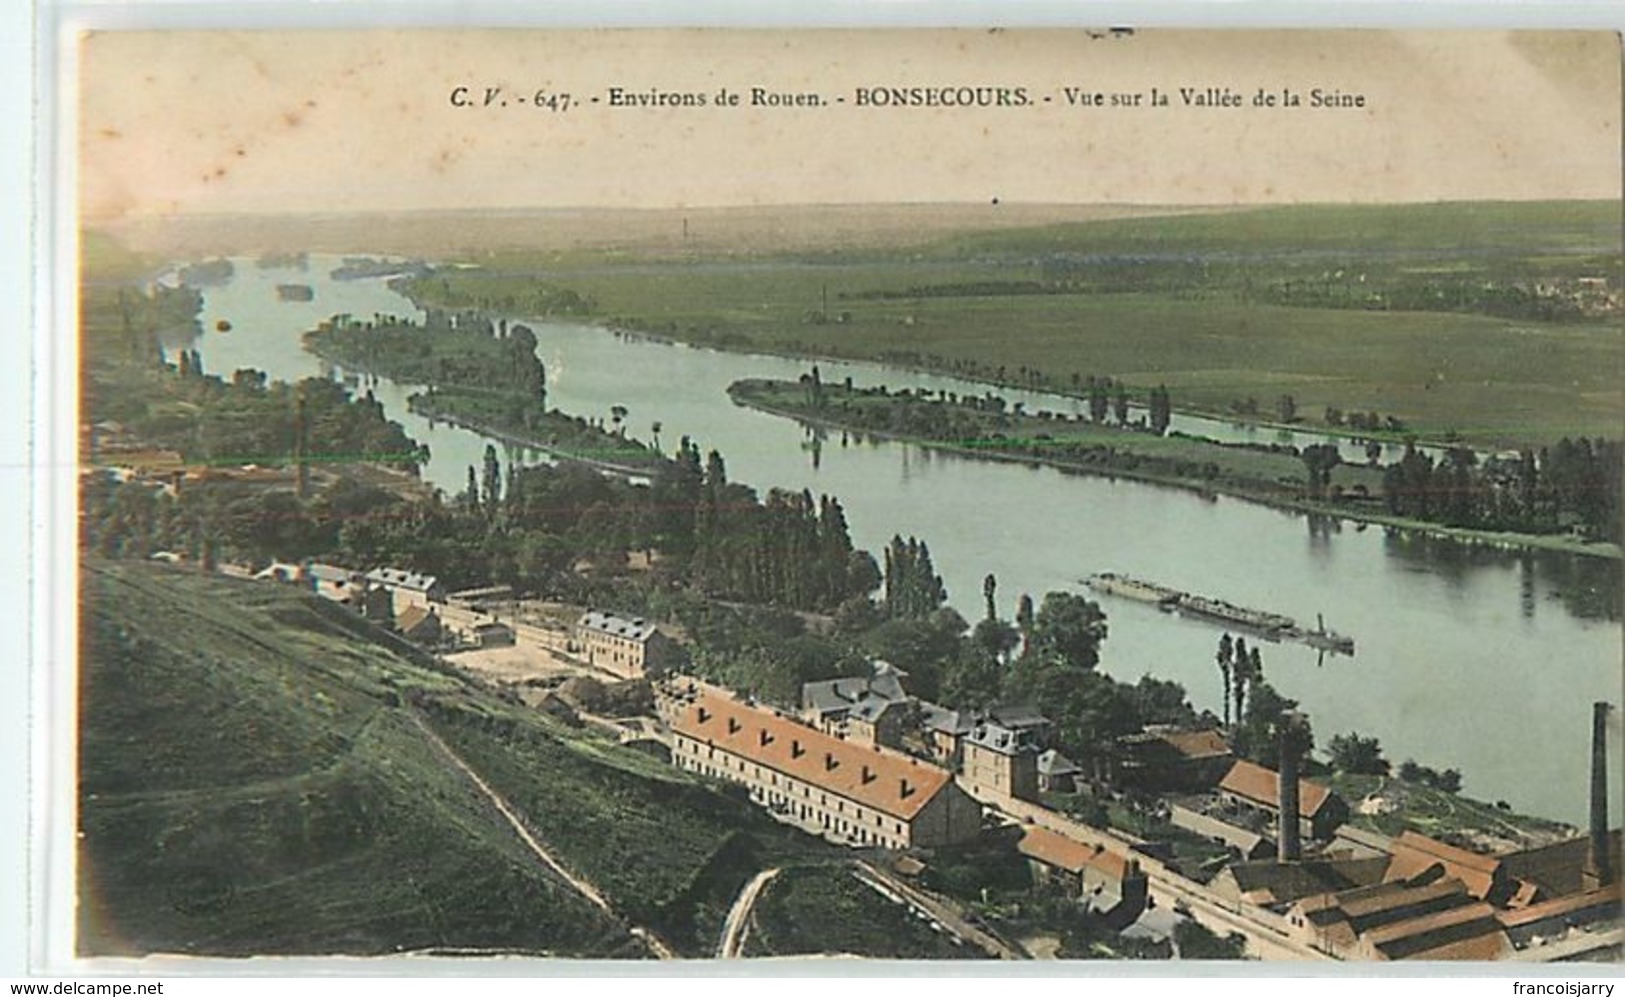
[[1600, 863], [1288, 848]]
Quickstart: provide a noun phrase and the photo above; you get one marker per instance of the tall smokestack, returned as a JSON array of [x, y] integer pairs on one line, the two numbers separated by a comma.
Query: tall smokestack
[[1601, 862], [1288, 848]]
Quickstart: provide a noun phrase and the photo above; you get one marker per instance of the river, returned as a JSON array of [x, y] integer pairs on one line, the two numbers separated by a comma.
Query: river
[[1481, 660]]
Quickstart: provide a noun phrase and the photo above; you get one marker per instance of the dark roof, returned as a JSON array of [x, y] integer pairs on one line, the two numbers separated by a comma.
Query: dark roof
[[887, 681], [1018, 717], [1559, 868], [944, 720], [488, 592], [1373, 906], [1275, 882], [1003, 740], [871, 709], [1467, 932], [1262, 785], [866, 697], [833, 695], [638, 629]]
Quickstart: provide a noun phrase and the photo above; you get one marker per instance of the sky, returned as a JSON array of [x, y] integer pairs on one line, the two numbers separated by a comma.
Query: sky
[[332, 121]]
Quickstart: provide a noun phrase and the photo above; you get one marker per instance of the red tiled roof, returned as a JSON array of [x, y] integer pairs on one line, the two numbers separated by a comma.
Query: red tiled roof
[[1262, 785], [892, 783], [1414, 854], [1062, 852], [1197, 743]]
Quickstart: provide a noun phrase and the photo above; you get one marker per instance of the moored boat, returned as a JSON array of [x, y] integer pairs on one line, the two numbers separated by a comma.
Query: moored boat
[[1269, 626], [1133, 588]]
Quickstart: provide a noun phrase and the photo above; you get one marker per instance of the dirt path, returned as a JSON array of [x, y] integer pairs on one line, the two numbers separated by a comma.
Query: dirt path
[[897, 890], [581, 886], [733, 928]]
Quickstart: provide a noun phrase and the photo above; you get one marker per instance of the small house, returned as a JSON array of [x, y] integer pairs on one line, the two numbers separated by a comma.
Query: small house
[[420, 624], [628, 647], [1252, 787]]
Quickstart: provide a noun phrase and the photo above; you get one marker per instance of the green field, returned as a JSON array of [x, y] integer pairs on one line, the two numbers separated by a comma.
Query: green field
[[253, 781], [1220, 307]]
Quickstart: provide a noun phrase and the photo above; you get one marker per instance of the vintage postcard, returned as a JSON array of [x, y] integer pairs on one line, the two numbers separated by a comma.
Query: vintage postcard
[[915, 494]]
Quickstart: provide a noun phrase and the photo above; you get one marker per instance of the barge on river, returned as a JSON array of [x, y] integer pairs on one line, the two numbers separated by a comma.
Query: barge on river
[[1270, 626]]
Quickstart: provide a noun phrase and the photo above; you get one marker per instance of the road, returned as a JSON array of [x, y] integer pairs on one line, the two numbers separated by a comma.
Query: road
[[1265, 932], [937, 911], [581, 886], [733, 928]]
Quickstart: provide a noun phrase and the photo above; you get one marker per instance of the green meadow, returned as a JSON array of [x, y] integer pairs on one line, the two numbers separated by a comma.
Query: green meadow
[[1485, 321]]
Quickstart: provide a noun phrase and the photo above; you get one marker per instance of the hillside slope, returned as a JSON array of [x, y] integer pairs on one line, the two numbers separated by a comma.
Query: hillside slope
[[253, 781]]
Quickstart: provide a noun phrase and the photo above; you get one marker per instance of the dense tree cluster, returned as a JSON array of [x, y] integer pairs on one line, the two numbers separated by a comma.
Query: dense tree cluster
[[1257, 735], [1446, 781], [1357, 755], [1470, 293], [788, 549], [452, 352], [524, 296], [913, 589], [1576, 484]]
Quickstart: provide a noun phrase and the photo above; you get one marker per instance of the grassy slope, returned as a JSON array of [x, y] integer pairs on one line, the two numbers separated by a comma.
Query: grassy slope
[[669, 852], [251, 782], [1440, 814], [1494, 380], [824, 909]]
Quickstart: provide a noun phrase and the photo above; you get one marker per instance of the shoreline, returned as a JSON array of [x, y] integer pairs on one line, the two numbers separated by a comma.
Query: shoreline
[[514, 439], [1460, 535], [509, 437], [1384, 437]]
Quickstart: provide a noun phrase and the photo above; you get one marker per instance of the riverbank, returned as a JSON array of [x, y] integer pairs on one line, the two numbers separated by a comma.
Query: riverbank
[[481, 376], [1274, 478], [424, 406]]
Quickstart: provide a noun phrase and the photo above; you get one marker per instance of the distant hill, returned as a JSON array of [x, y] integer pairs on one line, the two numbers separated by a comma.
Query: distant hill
[[257, 776]]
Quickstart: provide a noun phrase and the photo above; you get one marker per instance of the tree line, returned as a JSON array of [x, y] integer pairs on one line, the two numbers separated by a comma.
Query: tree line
[[1574, 485]]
